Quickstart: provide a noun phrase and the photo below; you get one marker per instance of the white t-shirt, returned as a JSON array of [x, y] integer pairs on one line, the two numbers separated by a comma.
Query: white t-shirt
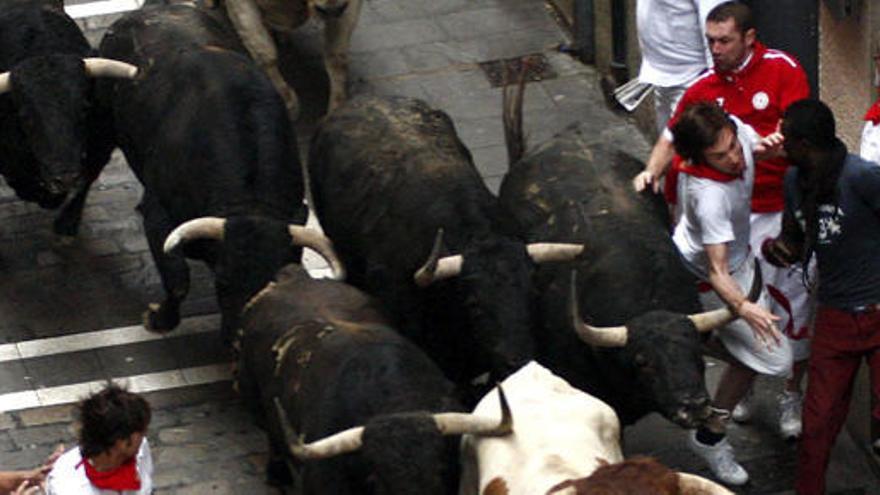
[[672, 38], [68, 477], [870, 148], [716, 212]]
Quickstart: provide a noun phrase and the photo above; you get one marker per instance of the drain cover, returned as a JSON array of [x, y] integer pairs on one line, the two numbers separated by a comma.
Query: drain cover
[[507, 71]]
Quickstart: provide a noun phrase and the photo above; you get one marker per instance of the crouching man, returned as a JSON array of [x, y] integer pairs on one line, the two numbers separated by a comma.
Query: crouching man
[[713, 237]]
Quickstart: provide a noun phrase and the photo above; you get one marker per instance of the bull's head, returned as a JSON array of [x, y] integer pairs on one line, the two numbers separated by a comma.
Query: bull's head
[[660, 354], [405, 452], [496, 279], [51, 95], [250, 251]]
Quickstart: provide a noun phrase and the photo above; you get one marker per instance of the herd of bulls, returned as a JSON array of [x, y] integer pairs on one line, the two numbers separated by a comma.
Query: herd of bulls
[[568, 267]]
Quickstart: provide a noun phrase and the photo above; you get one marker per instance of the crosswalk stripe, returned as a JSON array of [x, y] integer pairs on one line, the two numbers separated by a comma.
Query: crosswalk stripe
[[102, 338], [80, 10], [148, 382]]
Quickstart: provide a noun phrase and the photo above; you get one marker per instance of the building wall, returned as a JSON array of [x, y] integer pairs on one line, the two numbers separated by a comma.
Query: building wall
[[846, 68]]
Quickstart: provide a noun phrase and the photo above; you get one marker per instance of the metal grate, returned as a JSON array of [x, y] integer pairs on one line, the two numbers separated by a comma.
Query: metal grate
[[507, 71]]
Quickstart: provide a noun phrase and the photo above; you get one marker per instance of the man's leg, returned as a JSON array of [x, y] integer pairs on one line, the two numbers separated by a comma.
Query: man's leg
[[710, 441], [829, 388], [792, 302], [735, 382]]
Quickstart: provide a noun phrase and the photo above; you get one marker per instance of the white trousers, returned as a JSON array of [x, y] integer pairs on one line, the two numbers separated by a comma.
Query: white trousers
[[790, 299], [738, 337]]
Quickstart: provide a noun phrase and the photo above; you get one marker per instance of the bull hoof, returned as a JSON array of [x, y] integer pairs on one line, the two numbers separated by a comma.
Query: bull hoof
[[278, 474], [159, 321]]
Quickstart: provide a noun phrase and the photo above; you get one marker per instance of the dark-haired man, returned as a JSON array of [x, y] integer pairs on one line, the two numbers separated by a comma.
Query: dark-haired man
[[833, 211], [113, 455], [755, 84], [713, 238]]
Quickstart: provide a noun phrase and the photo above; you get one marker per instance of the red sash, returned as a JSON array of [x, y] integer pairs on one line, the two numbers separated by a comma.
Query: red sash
[[124, 477]]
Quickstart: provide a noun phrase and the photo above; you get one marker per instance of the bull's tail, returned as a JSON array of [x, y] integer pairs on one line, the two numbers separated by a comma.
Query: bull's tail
[[512, 111]]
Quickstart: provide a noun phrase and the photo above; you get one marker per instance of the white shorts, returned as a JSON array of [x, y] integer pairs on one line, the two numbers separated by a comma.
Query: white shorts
[[790, 299], [738, 337]]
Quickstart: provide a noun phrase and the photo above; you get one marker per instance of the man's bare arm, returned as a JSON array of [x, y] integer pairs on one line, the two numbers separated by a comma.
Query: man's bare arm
[[761, 320]]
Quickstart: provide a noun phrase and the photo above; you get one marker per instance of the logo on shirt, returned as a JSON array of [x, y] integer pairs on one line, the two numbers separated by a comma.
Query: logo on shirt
[[760, 100], [830, 219]]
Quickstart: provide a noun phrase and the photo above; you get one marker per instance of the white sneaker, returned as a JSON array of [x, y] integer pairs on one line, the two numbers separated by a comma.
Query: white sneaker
[[720, 459], [742, 413], [790, 414]]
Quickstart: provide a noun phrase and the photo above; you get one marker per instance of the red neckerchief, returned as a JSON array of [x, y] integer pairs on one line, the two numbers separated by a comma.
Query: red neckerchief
[[707, 172], [873, 114], [124, 477]]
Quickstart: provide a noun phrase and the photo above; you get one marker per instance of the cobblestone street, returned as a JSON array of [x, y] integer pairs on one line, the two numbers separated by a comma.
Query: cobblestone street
[[202, 437]]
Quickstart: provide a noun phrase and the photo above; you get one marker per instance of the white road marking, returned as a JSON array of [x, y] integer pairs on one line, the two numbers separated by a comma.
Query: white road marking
[[101, 7], [149, 382], [102, 338]]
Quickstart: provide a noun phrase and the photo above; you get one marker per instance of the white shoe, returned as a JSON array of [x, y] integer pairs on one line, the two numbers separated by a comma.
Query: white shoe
[[790, 404], [720, 459], [742, 413]]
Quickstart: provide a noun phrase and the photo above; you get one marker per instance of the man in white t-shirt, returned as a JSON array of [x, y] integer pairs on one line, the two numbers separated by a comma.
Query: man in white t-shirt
[[672, 39], [713, 237], [113, 455]]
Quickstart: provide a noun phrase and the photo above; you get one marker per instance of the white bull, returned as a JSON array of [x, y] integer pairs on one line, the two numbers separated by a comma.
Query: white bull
[[252, 20], [561, 435]]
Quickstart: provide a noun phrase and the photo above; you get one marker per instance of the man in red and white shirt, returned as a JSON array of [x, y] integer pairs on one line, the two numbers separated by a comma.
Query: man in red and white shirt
[[756, 84]]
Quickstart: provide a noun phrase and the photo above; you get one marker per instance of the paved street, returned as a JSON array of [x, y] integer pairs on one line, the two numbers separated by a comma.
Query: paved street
[[70, 315]]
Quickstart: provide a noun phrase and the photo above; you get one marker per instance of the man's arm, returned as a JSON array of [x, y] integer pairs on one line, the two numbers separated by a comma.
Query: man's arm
[[761, 320], [658, 162], [11, 480]]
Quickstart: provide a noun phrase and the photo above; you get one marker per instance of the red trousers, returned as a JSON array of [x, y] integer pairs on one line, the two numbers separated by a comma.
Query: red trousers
[[841, 341]]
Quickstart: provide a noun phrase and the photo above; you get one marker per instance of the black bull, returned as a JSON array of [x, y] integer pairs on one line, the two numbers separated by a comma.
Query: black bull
[[206, 133], [576, 189], [388, 174], [52, 139], [318, 358]]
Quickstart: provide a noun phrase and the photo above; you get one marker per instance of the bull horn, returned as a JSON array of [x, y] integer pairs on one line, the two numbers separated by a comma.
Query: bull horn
[[543, 252], [689, 484], [5, 83], [597, 336], [105, 67], [350, 440], [437, 268], [460, 424], [710, 320], [343, 442], [197, 228], [312, 239]]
